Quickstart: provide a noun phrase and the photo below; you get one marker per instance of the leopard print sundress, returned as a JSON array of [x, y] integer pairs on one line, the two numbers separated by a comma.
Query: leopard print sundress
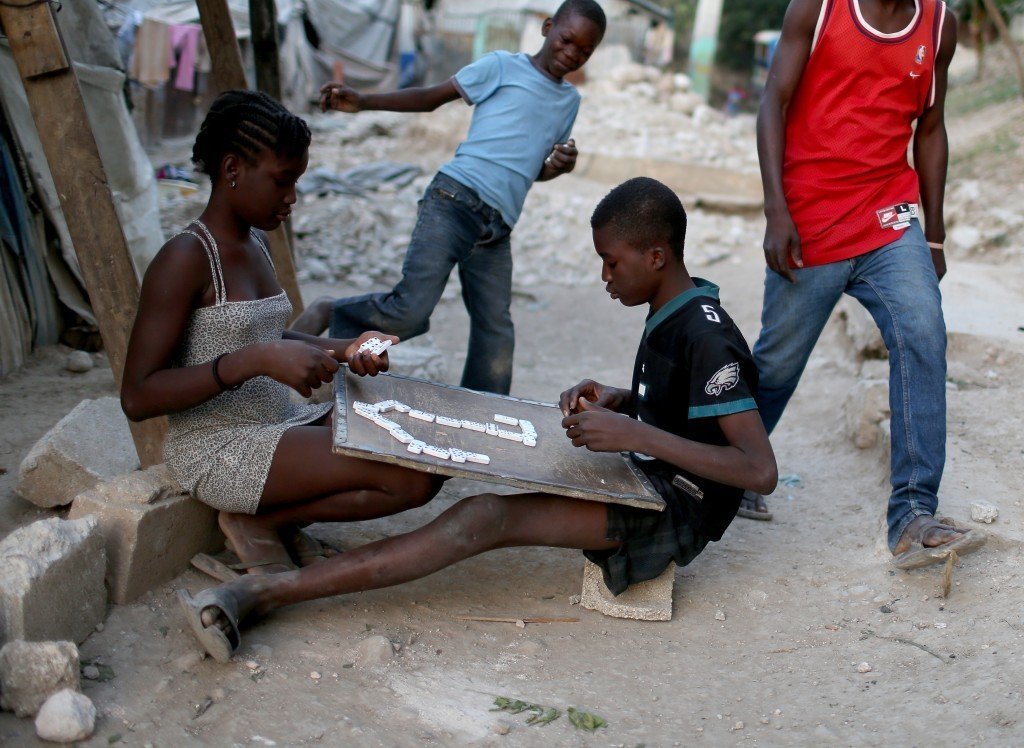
[[221, 450]]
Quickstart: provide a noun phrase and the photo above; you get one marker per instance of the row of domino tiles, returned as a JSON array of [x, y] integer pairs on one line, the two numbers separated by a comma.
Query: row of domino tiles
[[527, 435]]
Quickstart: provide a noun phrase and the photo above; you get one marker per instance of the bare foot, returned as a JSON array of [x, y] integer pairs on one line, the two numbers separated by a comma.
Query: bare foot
[[305, 548], [315, 318], [926, 531], [255, 541], [246, 595]]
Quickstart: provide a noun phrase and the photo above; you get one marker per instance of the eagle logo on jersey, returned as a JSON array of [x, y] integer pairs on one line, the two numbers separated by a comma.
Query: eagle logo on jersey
[[724, 379], [919, 57]]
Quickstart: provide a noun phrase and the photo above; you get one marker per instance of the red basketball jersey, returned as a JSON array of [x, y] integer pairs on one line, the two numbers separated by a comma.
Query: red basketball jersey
[[847, 181]]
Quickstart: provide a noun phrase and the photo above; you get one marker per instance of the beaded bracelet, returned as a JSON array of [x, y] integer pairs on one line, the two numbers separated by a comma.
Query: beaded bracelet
[[216, 375]]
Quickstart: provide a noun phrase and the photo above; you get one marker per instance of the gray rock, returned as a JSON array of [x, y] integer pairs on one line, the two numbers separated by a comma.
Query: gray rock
[[420, 359], [861, 330], [78, 362], [66, 717], [865, 407], [90, 444], [373, 650], [31, 672], [984, 511], [51, 581]]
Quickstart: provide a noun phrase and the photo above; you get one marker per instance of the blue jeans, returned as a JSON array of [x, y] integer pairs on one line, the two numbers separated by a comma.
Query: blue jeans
[[453, 227], [898, 286]]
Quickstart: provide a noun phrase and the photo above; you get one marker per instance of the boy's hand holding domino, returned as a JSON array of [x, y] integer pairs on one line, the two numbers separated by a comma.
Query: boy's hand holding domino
[[612, 398], [602, 430], [300, 365], [339, 97], [362, 358], [561, 160]]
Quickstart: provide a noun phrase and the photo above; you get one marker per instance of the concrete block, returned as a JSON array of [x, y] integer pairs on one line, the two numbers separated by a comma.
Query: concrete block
[[647, 601], [866, 406], [31, 672], [90, 444], [51, 581], [151, 528]]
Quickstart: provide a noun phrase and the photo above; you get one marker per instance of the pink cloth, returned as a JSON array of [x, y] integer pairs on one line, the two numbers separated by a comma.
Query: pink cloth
[[184, 46]]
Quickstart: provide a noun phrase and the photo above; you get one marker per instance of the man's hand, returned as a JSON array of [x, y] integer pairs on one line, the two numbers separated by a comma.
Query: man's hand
[[939, 261], [339, 97], [782, 243], [561, 160], [368, 363], [601, 430], [599, 394]]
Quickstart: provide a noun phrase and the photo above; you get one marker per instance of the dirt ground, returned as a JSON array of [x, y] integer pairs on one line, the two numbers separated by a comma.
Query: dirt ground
[[772, 625]]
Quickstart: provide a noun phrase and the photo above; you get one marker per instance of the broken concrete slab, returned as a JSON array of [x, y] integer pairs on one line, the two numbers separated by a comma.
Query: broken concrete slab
[[31, 672], [647, 601], [90, 444], [51, 580], [151, 528]]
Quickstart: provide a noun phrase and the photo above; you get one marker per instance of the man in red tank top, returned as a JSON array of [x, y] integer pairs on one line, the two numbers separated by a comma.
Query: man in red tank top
[[849, 80]]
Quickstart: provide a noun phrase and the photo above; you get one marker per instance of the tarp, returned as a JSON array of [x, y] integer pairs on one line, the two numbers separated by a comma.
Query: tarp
[[128, 169]]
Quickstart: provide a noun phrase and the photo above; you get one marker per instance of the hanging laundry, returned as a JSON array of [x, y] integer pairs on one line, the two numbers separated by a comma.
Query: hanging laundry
[[184, 45], [150, 65]]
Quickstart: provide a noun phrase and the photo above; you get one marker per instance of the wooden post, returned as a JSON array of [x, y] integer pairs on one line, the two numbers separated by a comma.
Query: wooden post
[[263, 24], [55, 101], [228, 73]]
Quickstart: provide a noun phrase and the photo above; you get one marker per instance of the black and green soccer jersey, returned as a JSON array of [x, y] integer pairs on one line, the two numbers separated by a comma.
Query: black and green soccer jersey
[[692, 367]]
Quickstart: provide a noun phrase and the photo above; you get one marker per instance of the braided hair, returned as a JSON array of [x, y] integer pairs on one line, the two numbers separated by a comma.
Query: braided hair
[[586, 9], [247, 123]]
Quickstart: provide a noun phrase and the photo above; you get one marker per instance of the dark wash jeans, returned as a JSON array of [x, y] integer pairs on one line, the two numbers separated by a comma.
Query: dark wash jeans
[[453, 227], [898, 286]]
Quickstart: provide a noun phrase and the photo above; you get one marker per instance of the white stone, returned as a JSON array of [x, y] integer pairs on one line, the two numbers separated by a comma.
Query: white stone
[[31, 672], [864, 668], [984, 511], [78, 362], [66, 717], [90, 444], [51, 580], [373, 650]]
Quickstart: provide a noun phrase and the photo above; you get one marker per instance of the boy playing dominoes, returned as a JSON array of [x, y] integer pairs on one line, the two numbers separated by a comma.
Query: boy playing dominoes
[[688, 420]]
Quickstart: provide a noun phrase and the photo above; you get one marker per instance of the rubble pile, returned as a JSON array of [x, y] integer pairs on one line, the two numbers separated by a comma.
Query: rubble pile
[[980, 222], [640, 111]]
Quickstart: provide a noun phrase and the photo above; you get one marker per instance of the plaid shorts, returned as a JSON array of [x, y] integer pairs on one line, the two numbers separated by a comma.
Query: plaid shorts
[[649, 539]]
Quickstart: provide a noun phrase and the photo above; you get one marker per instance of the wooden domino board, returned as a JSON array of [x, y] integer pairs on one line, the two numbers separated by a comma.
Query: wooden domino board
[[553, 466]]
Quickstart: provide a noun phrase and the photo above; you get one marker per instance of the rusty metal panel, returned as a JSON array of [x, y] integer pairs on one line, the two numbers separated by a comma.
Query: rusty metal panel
[[554, 466]]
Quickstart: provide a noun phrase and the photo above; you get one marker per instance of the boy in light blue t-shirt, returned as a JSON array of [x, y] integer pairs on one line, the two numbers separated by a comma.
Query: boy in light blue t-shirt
[[523, 116]]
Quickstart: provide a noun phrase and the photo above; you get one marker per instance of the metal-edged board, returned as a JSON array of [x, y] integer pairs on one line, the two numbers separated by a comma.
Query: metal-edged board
[[554, 466]]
